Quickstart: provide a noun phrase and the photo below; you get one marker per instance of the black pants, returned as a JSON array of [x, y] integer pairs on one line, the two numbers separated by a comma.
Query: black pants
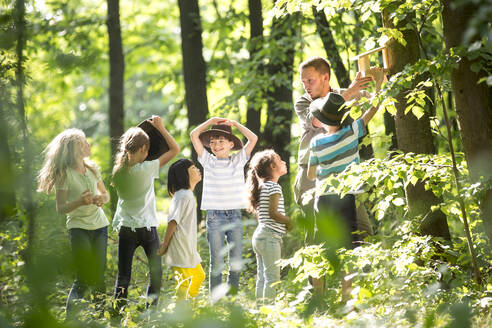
[[89, 256], [128, 241], [336, 221]]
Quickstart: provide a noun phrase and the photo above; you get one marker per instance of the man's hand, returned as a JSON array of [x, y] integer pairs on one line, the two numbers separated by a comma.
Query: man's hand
[[358, 84], [378, 74]]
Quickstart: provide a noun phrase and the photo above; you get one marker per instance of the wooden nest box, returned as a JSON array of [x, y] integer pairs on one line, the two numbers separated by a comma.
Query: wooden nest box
[[364, 64]]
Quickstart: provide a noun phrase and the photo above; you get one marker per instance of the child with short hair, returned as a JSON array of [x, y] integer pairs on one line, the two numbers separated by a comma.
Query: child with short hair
[[331, 152], [80, 193], [267, 201], [136, 216], [223, 191], [180, 239]]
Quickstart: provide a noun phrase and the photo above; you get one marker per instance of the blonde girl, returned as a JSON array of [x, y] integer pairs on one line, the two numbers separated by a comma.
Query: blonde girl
[[180, 240], [80, 193], [267, 201], [136, 218]]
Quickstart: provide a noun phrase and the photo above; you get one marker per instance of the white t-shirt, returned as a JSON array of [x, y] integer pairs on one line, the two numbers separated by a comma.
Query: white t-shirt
[[89, 217], [268, 189], [223, 181], [136, 200], [182, 251]]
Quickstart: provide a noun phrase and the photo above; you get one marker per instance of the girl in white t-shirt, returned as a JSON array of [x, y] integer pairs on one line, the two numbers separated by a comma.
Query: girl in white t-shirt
[[180, 240], [267, 201], [80, 193], [136, 217]]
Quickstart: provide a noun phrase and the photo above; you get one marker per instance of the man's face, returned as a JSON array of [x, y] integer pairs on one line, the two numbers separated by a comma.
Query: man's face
[[316, 84], [221, 147]]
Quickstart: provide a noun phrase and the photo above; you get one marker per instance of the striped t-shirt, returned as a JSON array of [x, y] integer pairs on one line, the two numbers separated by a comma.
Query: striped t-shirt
[[334, 152], [268, 189], [223, 181]]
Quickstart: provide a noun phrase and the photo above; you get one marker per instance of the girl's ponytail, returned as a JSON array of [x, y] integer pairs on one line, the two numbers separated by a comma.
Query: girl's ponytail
[[253, 186]]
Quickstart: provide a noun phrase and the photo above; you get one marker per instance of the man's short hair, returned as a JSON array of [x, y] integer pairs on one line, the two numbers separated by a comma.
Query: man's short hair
[[320, 64]]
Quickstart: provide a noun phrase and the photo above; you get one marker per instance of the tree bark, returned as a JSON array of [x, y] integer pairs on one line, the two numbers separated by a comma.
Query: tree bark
[[116, 87], [7, 180], [255, 101], [116, 75], [279, 97], [194, 71], [414, 135], [472, 101], [332, 54]]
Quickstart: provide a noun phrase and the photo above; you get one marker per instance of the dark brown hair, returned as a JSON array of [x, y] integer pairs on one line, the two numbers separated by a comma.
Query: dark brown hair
[[320, 64], [259, 168]]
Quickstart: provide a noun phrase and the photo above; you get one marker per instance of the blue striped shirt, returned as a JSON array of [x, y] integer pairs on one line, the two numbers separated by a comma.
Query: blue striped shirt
[[332, 153]]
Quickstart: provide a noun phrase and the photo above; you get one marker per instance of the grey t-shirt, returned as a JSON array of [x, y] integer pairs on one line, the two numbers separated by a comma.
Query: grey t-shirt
[[182, 251]]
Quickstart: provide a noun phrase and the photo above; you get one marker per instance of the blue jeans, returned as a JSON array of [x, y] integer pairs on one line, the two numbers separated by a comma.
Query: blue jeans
[[267, 247], [224, 225], [89, 256]]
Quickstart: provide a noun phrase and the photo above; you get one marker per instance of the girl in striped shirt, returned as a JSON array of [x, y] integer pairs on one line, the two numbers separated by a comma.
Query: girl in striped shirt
[[267, 201]]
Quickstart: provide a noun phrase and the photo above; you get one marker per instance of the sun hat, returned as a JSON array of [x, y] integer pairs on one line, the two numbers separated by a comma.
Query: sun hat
[[327, 109], [158, 144], [220, 130]]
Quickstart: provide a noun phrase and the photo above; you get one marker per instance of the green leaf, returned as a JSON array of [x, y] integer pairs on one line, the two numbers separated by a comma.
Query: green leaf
[[418, 111]]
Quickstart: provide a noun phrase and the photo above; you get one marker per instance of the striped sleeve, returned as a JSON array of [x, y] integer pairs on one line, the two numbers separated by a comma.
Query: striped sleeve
[[274, 189]]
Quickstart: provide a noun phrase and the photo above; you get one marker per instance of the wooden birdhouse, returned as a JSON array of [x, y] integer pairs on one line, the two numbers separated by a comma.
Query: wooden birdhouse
[[364, 63]]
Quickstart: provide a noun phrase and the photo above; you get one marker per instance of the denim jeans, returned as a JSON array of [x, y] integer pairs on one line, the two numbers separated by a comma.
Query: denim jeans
[[267, 247], [128, 241], [224, 225], [89, 256]]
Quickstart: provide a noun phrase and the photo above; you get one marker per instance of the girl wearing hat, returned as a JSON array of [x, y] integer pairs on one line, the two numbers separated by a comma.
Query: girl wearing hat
[[180, 240], [80, 193], [223, 194], [136, 217]]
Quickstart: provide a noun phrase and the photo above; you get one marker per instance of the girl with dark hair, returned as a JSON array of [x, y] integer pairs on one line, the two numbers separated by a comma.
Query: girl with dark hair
[[180, 240], [267, 201], [136, 216]]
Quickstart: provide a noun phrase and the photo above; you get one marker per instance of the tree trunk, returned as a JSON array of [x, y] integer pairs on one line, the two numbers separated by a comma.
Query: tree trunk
[[414, 135], [331, 49], [116, 77], [390, 129], [472, 102], [255, 101], [194, 71], [279, 97], [7, 180]]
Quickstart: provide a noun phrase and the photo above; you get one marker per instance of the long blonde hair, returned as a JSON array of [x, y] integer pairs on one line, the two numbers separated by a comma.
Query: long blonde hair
[[259, 169], [130, 142], [60, 154]]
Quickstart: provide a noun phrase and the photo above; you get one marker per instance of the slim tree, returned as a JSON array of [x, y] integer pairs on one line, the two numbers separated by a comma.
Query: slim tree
[[279, 95], [253, 116], [194, 70], [116, 76]]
